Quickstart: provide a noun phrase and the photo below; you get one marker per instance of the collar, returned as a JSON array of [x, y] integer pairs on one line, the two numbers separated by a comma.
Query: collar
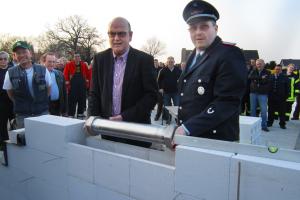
[[201, 52], [123, 56]]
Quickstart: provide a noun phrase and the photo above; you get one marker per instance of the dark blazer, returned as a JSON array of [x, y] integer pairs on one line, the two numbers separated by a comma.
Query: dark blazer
[[281, 91], [210, 93], [139, 90]]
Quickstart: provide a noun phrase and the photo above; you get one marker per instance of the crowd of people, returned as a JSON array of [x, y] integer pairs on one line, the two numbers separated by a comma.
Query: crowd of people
[[271, 93], [52, 86], [124, 84]]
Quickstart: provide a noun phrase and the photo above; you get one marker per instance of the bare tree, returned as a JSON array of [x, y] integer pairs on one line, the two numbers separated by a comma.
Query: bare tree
[[6, 42], [74, 34], [154, 47]]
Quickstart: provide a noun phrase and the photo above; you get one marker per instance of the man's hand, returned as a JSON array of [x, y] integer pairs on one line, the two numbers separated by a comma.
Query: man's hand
[[161, 91], [116, 118], [180, 131]]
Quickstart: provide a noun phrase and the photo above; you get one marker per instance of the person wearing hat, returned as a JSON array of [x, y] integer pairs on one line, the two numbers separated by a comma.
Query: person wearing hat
[[28, 85], [214, 80]]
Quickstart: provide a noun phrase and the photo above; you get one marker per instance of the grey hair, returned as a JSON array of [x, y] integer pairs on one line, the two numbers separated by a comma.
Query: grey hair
[[4, 53]]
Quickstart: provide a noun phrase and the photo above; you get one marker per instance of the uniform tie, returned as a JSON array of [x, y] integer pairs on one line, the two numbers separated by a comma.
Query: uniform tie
[[197, 60]]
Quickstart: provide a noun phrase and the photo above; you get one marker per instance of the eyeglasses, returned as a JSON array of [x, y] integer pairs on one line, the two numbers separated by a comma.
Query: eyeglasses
[[3, 58], [119, 34]]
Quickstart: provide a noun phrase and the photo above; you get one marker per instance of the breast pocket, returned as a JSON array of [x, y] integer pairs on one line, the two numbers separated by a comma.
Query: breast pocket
[[41, 82], [200, 87]]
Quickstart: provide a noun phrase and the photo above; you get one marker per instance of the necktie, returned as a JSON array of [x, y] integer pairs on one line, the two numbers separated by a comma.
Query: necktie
[[198, 58]]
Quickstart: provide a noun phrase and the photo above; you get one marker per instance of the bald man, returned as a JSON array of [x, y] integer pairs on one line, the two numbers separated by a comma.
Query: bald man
[[123, 80]]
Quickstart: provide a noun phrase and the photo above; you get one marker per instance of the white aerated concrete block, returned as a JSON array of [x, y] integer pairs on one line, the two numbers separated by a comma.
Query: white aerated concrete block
[[200, 172], [98, 143], [166, 157], [38, 164], [50, 133], [5, 193], [38, 189], [264, 178], [132, 151], [181, 196], [112, 171], [27, 159], [81, 190], [13, 183], [149, 180], [250, 129], [80, 162], [107, 194]]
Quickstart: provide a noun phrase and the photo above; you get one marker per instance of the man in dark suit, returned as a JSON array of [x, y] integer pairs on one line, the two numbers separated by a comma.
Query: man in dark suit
[[123, 80], [214, 80]]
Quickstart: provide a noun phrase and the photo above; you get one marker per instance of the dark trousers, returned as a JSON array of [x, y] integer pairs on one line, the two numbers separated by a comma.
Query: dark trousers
[[297, 108], [54, 108], [6, 114], [245, 105], [77, 95], [276, 105], [167, 102], [288, 107], [159, 105]]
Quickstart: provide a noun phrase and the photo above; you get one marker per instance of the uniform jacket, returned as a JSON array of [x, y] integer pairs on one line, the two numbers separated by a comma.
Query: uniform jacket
[[211, 92], [69, 72], [281, 92], [260, 83], [294, 86], [139, 90]]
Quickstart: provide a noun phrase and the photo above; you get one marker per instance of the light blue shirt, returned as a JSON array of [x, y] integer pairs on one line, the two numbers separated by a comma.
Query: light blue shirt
[[54, 94]]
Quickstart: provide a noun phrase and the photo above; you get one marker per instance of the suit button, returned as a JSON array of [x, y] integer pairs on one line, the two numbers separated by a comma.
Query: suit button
[[199, 80], [181, 94], [214, 131], [180, 107], [184, 80], [180, 121]]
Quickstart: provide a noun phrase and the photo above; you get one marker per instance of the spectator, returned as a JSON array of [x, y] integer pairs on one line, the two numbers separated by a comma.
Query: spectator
[[28, 85], [260, 86], [277, 96], [58, 96], [77, 81], [6, 105], [167, 84]]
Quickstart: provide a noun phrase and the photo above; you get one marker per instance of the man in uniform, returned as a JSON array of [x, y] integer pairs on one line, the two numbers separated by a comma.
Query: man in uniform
[[277, 97], [214, 80]]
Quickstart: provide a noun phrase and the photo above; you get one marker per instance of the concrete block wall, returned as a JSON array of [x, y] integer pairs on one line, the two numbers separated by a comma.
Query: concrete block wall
[[75, 167], [117, 174]]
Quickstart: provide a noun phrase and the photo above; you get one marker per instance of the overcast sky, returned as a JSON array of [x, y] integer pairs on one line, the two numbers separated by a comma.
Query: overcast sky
[[270, 26]]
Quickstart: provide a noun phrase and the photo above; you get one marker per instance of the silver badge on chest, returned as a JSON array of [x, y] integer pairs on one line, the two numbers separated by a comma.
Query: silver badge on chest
[[201, 90]]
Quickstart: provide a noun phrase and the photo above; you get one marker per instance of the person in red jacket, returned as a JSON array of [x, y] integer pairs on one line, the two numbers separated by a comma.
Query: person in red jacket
[[76, 74]]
